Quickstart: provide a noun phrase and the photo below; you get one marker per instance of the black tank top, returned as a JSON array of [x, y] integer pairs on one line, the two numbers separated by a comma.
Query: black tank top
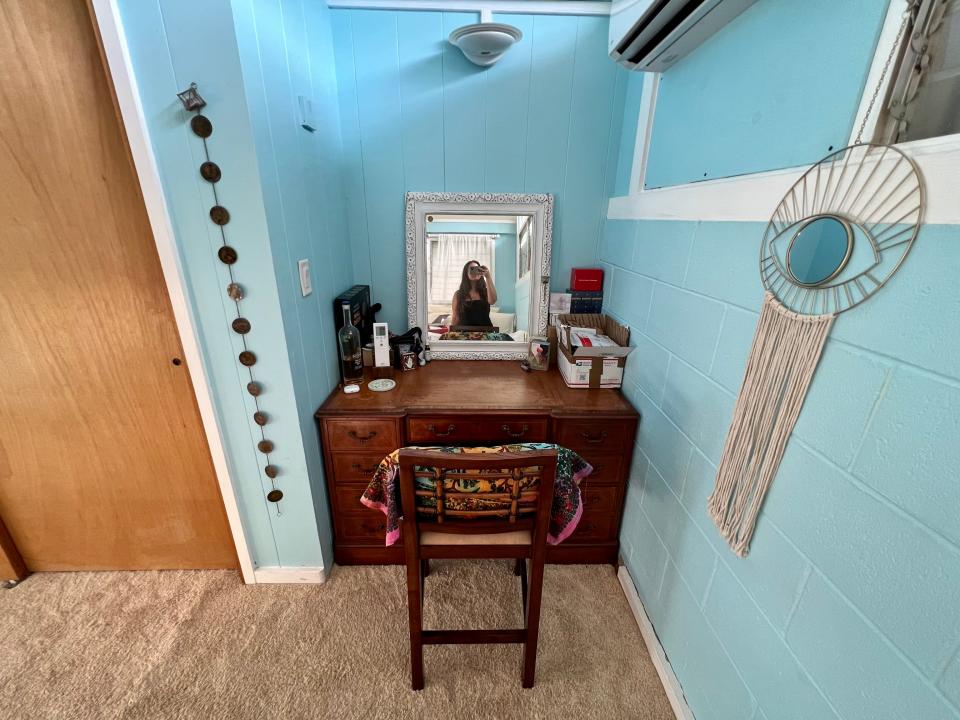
[[476, 313]]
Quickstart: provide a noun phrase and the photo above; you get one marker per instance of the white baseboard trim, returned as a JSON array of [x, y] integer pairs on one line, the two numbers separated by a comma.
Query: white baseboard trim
[[670, 683], [291, 575]]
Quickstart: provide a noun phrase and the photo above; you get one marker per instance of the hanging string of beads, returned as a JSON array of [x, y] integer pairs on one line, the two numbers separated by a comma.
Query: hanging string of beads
[[220, 216]]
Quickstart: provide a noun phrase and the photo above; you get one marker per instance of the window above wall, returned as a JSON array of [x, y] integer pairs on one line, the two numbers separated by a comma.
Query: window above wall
[[923, 98]]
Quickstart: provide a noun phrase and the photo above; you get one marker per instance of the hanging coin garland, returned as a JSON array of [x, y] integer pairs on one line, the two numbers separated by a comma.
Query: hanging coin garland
[[220, 216]]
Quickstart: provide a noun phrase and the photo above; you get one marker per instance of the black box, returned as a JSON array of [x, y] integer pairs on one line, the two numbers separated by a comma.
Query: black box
[[358, 298], [586, 302]]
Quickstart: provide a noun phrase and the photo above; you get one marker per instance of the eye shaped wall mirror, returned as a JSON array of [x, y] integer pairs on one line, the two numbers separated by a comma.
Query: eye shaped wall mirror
[[819, 250], [478, 271]]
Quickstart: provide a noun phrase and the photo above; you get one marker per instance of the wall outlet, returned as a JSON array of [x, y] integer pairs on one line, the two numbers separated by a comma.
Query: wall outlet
[[306, 286]]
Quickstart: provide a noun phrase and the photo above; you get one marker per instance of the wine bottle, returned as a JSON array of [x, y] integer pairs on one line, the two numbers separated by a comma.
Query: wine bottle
[[351, 356]]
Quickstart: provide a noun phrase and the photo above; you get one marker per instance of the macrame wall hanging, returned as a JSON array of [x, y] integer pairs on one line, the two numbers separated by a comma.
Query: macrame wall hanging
[[837, 237], [220, 216]]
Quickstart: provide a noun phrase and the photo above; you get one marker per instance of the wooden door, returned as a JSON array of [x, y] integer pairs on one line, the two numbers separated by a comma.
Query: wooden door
[[103, 460]]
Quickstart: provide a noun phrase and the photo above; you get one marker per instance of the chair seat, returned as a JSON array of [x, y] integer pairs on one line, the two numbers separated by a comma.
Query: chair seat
[[515, 537]]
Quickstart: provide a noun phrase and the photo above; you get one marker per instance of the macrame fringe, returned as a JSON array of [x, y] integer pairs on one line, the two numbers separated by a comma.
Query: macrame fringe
[[783, 358]]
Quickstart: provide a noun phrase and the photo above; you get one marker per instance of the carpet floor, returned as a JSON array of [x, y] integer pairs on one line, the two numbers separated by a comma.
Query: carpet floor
[[202, 645]]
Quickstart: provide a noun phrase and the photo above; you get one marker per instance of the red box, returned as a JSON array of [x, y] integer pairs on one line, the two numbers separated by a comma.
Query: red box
[[586, 279]]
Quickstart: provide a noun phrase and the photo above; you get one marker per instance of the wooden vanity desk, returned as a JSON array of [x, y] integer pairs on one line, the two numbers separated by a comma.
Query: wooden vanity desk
[[453, 402]]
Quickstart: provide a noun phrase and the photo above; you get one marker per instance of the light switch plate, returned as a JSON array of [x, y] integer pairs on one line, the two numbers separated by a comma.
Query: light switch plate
[[306, 286]]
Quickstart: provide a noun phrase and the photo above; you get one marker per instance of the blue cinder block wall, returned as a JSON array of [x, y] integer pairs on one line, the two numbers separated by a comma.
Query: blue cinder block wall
[[848, 605]]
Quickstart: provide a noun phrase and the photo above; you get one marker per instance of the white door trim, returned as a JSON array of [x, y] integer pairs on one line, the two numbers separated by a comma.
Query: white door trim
[[107, 16], [667, 677]]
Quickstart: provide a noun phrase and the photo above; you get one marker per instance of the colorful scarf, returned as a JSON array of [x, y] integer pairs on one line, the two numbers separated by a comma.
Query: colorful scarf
[[383, 492]]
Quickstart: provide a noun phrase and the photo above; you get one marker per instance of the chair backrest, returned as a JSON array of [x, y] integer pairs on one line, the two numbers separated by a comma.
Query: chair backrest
[[477, 492]]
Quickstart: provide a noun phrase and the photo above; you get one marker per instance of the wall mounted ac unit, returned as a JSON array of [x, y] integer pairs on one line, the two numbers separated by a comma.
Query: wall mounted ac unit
[[651, 35]]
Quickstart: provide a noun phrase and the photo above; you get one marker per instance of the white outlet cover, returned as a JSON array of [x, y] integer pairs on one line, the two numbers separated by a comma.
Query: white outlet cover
[[306, 286]]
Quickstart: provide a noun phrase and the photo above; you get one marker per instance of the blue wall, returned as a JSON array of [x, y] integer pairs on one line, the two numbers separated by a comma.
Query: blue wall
[[808, 60], [417, 116], [848, 604], [286, 51], [282, 208]]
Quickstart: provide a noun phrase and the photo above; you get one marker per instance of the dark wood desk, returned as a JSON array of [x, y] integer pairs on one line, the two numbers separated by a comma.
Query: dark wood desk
[[471, 403]]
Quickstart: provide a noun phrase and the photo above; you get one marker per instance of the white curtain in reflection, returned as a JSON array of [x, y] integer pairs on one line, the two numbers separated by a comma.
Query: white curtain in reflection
[[446, 256]]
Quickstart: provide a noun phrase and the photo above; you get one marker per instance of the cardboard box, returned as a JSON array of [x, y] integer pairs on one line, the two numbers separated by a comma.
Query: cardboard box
[[593, 367]]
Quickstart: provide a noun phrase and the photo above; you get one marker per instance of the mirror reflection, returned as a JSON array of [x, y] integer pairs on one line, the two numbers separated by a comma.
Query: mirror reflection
[[819, 250], [478, 276]]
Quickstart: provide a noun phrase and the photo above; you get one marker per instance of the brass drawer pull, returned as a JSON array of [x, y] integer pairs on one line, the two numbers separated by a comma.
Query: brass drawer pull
[[449, 431], [594, 439], [363, 438], [366, 471], [510, 433]]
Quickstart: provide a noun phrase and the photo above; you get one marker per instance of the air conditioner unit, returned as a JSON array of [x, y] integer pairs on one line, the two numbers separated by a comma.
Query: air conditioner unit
[[651, 35]]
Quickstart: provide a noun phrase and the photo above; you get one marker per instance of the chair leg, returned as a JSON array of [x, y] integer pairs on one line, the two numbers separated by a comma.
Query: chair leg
[[519, 567], [415, 610], [425, 567], [533, 620]]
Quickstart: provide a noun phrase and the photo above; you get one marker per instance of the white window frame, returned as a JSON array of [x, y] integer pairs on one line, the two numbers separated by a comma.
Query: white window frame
[[752, 197]]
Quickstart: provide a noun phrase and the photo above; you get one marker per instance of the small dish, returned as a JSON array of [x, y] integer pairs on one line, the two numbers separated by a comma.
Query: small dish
[[382, 385]]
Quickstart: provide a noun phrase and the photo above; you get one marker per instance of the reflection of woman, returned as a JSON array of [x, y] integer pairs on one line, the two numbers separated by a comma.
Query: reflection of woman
[[471, 303]]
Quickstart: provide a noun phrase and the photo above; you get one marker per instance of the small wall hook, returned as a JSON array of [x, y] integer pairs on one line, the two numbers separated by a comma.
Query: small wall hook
[[191, 98]]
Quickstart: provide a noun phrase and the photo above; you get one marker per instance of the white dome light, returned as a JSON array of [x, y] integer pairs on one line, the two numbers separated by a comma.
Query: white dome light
[[484, 43]]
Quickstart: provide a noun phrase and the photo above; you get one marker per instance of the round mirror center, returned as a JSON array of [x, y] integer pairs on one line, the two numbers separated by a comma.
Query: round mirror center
[[819, 250]]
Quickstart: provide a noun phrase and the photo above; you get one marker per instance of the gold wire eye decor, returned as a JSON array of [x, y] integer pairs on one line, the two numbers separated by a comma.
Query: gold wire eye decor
[[843, 229], [838, 236], [229, 256]]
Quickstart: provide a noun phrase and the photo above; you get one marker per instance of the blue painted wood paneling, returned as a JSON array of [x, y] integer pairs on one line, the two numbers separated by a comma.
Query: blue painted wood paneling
[[417, 116]]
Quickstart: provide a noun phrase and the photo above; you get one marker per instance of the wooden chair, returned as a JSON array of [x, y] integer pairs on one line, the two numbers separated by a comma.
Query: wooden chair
[[519, 531]]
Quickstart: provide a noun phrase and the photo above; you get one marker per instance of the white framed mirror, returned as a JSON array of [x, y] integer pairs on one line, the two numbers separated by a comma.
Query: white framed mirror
[[478, 272]]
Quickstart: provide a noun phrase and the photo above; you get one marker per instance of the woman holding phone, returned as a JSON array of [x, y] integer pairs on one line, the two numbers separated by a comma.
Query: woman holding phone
[[471, 302]]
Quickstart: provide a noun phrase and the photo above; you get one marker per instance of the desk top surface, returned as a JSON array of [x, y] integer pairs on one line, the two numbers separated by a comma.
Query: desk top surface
[[477, 386]]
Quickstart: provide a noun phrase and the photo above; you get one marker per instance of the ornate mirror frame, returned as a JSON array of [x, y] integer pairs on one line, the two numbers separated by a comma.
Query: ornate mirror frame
[[538, 206]]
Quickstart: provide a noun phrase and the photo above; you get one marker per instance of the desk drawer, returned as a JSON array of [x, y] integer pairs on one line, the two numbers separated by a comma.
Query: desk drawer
[[366, 528], [355, 466], [607, 468], [362, 434], [600, 499], [595, 525], [493, 430], [605, 435], [347, 501]]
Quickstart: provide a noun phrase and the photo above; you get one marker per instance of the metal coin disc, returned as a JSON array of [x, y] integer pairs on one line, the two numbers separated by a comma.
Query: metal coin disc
[[219, 214], [241, 325], [260, 418], [254, 388], [235, 292], [271, 471], [247, 358], [210, 171], [227, 255], [265, 446], [274, 496], [201, 126]]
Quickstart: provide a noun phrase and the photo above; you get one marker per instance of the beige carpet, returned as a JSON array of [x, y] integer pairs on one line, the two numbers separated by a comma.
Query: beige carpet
[[201, 645]]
